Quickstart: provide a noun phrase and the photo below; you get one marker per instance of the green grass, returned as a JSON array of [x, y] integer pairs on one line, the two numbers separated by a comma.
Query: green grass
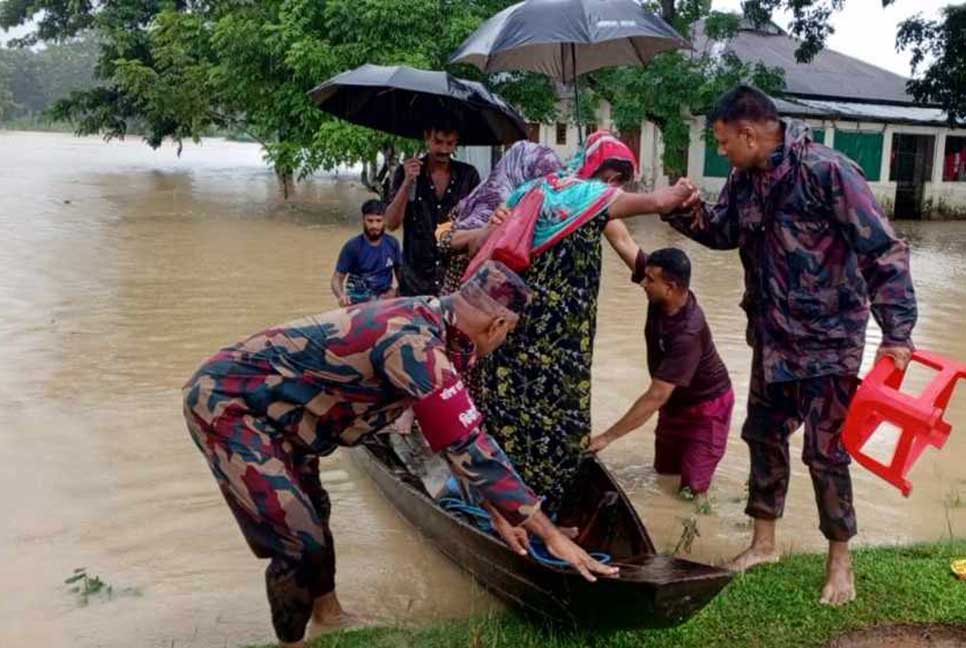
[[775, 605]]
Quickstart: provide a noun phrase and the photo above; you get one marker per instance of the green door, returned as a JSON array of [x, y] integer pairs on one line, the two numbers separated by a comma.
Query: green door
[[865, 149]]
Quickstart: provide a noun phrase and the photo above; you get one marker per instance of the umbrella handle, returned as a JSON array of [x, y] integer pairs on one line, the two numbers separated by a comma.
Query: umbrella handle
[[412, 188]]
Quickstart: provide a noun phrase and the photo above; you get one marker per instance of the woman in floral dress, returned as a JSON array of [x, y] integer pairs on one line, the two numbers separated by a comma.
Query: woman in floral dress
[[535, 390]]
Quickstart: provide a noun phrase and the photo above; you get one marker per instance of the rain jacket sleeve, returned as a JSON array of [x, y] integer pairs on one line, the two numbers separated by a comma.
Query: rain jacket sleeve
[[883, 257]]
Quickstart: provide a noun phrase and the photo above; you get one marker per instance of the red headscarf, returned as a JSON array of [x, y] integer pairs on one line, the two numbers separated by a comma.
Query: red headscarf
[[601, 146]]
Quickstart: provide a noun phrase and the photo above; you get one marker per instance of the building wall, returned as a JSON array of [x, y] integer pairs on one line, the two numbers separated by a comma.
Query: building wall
[[649, 155], [480, 157]]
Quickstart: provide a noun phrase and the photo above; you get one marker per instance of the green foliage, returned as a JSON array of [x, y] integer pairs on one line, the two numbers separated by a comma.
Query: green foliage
[[7, 104], [944, 43], [688, 83], [32, 80], [88, 587], [178, 69], [533, 92]]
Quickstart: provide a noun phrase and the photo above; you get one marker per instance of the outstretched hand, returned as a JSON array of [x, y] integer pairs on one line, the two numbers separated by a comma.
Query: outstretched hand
[[681, 195], [598, 443], [562, 547], [515, 537]]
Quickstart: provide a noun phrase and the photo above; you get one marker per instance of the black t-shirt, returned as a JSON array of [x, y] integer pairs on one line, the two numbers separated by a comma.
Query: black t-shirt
[[681, 351], [420, 273]]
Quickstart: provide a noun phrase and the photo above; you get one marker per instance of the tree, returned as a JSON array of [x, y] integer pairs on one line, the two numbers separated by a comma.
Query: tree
[[676, 85], [7, 104], [944, 81], [181, 67], [35, 79], [177, 68]]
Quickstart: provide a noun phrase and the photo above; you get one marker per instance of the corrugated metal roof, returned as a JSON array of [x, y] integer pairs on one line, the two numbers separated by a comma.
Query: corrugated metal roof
[[787, 107], [857, 111], [831, 74]]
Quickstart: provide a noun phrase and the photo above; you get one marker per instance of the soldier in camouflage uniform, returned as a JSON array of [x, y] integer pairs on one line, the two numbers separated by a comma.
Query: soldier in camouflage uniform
[[263, 410], [818, 255]]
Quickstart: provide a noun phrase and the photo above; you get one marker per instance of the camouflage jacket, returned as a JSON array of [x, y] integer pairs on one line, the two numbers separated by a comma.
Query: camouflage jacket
[[332, 379], [817, 253]]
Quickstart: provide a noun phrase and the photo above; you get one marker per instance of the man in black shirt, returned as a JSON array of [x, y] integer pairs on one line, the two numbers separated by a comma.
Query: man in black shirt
[[423, 192]]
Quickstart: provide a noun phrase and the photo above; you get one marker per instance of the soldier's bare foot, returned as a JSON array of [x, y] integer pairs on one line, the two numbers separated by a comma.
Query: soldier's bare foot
[[753, 556], [762, 549], [328, 615], [839, 586]]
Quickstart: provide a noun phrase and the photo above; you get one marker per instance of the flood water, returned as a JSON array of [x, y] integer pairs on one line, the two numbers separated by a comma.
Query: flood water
[[121, 268]]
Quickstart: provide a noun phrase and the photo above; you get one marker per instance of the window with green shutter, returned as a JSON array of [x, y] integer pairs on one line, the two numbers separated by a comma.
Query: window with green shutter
[[818, 135], [715, 166], [865, 149]]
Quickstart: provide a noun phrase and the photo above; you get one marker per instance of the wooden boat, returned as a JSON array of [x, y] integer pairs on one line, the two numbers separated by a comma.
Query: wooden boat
[[651, 591]]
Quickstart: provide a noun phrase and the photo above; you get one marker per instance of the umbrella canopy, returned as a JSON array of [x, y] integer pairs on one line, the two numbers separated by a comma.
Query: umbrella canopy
[[405, 101], [566, 38]]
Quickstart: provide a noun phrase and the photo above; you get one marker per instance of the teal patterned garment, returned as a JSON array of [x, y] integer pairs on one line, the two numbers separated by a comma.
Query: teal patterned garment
[[535, 389], [568, 203]]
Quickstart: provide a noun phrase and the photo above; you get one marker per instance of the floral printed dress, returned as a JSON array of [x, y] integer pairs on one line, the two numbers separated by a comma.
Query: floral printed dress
[[535, 388]]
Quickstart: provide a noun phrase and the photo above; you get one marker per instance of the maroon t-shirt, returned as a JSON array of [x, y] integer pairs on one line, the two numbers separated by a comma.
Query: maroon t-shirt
[[680, 351]]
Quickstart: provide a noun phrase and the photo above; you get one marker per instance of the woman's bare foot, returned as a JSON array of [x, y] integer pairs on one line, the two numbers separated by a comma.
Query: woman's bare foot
[[839, 586], [762, 549]]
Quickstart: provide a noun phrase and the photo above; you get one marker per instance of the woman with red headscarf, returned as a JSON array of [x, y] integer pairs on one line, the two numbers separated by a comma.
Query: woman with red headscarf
[[535, 390]]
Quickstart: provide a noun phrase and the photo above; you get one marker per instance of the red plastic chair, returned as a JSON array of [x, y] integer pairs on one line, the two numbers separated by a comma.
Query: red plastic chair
[[920, 418]]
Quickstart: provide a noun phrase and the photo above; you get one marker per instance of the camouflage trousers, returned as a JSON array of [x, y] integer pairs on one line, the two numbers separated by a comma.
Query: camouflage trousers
[[276, 496], [775, 411]]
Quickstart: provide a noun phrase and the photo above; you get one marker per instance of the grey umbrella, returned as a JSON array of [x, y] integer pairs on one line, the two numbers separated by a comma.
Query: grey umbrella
[[566, 38], [404, 101]]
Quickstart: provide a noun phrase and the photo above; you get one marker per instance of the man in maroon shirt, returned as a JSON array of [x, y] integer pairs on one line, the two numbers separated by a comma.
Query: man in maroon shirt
[[689, 387]]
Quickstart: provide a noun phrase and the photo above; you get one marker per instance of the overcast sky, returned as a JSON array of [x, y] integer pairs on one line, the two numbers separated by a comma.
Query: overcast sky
[[864, 30]]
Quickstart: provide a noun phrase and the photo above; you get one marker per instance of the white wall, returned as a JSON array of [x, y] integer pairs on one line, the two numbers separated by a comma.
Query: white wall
[[479, 156], [651, 157]]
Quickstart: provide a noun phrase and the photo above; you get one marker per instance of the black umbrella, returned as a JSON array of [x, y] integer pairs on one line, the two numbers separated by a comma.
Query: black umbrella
[[404, 101], [566, 38]]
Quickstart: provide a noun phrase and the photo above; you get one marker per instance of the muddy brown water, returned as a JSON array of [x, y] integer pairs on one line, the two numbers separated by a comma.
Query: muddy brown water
[[122, 267]]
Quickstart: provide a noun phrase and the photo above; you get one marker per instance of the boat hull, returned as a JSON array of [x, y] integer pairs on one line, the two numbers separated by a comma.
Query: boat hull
[[652, 591]]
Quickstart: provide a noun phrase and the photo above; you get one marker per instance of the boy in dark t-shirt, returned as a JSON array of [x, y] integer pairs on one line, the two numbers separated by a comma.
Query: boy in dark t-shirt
[[368, 262], [690, 388]]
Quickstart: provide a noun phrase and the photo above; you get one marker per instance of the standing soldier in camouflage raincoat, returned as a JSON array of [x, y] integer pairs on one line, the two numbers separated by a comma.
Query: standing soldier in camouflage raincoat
[[818, 254], [264, 410]]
